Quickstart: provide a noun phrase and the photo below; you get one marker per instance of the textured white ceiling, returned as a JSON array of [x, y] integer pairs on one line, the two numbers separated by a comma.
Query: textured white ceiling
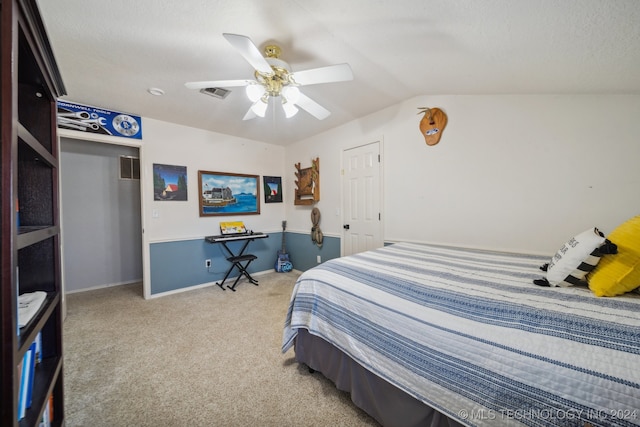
[[111, 52]]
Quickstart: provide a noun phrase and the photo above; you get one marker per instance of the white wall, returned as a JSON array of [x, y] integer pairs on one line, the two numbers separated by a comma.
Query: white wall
[[512, 172], [171, 144]]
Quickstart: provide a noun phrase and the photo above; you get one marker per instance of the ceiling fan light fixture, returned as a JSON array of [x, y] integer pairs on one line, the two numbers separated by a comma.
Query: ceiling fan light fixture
[[255, 92], [291, 93], [259, 108], [290, 110]]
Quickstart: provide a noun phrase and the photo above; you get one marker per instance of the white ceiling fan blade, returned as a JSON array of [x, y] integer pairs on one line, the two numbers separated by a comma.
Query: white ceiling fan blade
[[250, 52], [218, 83], [250, 114], [312, 107], [329, 74]]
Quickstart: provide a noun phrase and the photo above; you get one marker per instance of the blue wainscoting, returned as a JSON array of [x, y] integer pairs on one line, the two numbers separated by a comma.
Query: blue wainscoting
[[304, 253], [181, 264]]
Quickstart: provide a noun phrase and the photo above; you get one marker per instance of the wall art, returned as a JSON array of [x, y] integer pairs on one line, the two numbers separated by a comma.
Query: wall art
[[224, 193], [169, 182], [272, 189]]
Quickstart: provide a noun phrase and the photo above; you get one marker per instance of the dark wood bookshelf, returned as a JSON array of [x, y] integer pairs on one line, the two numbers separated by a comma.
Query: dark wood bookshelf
[[30, 84], [28, 236]]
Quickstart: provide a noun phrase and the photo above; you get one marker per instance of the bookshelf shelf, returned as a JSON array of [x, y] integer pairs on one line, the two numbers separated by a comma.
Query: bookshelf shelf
[[29, 235], [30, 247], [29, 332], [39, 152]]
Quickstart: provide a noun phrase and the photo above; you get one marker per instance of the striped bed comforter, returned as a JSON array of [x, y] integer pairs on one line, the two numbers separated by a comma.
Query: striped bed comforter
[[469, 334]]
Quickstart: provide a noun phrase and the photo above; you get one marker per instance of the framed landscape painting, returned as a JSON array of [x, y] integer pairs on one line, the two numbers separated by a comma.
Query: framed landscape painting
[[224, 193]]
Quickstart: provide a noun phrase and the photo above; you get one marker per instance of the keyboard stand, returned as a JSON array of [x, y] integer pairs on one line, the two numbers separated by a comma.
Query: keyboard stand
[[240, 260]]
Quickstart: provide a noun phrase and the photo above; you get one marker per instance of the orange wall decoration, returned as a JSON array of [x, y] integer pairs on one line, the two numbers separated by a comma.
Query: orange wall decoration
[[432, 124]]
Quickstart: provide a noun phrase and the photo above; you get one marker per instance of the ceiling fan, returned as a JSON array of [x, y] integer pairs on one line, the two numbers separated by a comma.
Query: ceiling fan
[[274, 78]]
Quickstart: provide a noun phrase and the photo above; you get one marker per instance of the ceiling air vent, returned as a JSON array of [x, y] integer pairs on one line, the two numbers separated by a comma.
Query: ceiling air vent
[[216, 92]]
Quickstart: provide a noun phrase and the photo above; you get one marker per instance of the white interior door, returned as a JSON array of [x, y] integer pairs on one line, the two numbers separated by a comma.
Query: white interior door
[[361, 202]]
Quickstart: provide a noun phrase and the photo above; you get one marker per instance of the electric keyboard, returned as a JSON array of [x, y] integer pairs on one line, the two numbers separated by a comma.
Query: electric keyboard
[[236, 236]]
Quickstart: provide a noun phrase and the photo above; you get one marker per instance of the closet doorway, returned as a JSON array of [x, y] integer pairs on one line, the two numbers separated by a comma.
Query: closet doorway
[[100, 215]]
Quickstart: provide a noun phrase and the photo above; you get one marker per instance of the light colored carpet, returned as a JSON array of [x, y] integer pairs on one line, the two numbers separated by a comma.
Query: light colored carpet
[[204, 357]]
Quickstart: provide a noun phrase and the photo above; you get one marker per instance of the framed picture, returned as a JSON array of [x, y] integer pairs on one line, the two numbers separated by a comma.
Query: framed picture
[[169, 182], [223, 193], [272, 189]]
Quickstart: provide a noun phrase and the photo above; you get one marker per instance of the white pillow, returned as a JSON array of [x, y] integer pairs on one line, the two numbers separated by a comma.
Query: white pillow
[[575, 259]]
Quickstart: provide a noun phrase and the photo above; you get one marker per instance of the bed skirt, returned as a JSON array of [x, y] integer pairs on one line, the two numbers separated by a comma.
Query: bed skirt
[[386, 403]]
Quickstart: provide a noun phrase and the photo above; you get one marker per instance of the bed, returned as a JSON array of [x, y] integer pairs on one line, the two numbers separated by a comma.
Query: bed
[[427, 335]]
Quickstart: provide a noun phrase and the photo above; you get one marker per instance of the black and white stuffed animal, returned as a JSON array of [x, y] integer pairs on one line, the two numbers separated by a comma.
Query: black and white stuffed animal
[[580, 255]]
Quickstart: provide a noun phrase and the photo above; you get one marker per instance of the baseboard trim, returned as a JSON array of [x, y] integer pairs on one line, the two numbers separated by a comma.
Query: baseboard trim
[[109, 285], [204, 285]]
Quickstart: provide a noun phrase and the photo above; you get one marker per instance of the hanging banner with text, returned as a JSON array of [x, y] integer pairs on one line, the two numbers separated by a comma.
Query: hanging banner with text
[[98, 120]]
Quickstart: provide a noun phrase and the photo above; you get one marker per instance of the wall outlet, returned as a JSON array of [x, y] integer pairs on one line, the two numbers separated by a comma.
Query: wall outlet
[[207, 263], [319, 259]]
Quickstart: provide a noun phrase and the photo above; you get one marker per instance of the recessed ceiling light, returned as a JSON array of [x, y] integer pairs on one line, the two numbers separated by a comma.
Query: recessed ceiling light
[[155, 91]]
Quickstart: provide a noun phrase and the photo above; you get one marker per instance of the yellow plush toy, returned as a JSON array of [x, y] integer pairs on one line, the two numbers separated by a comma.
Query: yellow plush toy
[[619, 274]]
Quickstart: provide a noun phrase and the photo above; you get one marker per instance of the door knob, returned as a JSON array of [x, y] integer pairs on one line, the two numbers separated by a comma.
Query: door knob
[[346, 226]]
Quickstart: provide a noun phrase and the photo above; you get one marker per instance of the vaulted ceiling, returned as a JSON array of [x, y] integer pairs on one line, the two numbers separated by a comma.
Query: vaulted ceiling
[[111, 52]]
